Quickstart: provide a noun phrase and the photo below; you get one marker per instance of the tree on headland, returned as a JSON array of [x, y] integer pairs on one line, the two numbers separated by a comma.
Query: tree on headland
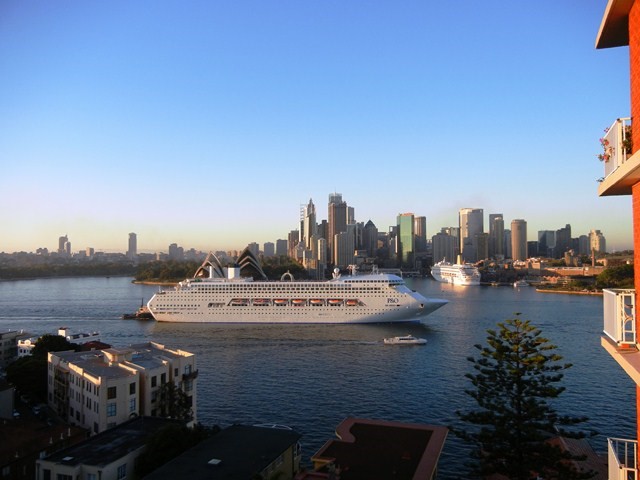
[[620, 276], [512, 431], [51, 343], [29, 373]]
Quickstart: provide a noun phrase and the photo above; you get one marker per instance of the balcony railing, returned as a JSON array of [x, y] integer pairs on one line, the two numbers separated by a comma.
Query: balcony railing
[[620, 315], [614, 143], [623, 459]]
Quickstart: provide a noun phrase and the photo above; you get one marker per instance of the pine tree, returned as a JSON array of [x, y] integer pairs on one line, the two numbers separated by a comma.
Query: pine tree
[[515, 377]]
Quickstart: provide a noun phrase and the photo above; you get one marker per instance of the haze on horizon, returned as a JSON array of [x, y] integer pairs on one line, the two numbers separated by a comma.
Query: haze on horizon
[[208, 124]]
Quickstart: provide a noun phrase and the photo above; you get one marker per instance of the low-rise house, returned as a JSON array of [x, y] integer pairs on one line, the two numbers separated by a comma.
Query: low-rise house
[[238, 451], [367, 449], [110, 455], [103, 388]]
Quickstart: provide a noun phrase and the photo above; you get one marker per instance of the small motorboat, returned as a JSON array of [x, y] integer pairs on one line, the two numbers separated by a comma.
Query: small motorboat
[[405, 340], [520, 283]]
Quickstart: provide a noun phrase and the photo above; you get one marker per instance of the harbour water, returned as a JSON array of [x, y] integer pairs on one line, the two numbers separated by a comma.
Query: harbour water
[[311, 377]]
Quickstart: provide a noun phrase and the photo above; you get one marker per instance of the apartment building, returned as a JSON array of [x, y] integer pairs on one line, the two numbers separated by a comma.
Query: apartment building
[[238, 451], [8, 347], [111, 455], [620, 27], [100, 389]]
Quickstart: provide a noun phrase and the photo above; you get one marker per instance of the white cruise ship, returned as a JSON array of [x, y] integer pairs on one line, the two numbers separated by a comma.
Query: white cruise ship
[[456, 273], [221, 295]]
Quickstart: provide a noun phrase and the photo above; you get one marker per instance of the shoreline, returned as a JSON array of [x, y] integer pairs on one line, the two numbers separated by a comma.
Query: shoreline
[[156, 282], [568, 292]]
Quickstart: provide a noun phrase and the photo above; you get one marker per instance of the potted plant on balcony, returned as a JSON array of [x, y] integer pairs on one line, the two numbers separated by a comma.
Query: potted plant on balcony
[[627, 143], [607, 149]]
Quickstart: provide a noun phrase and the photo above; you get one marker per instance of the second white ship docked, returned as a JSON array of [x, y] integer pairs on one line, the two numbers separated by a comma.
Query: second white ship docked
[[456, 273], [219, 294]]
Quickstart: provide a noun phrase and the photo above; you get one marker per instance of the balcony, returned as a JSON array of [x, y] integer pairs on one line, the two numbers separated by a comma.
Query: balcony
[[620, 316], [192, 375], [623, 459], [621, 169]]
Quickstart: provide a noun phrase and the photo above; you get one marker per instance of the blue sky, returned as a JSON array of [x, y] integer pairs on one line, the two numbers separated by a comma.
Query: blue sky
[[209, 123]]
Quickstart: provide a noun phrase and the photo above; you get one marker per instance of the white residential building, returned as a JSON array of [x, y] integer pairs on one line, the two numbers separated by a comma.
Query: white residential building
[[100, 389]]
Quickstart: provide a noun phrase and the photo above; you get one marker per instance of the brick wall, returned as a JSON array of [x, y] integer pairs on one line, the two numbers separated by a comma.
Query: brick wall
[[634, 66]]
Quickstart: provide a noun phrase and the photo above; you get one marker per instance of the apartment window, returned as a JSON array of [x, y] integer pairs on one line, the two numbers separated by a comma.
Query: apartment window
[[111, 393], [46, 474], [163, 379], [175, 372], [154, 381], [188, 385], [91, 476], [132, 388], [111, 409], [132, 405], [187, 369], [122, 471]]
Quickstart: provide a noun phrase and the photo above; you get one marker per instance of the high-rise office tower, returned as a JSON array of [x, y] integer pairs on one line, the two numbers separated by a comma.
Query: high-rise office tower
[[281, 247], [444, 247], [62, 244], [597, 241], [370, 238], [269, 249], [471, 221], [546, 242], [496, 236], [481, 243], [563, 241], [344, 251], [337, 220], [292, 242], [132, 251], [420, 231], [406, 239], [519, 239], [309, 226]]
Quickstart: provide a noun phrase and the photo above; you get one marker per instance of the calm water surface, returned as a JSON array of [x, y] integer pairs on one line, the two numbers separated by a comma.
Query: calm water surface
[[312, 376]]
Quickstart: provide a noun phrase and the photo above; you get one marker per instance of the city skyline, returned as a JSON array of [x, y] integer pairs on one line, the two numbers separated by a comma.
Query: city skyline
[[205, 124], [65, 244]]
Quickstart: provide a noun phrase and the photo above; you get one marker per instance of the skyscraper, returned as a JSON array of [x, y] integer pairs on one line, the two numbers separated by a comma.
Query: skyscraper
[[597, 242], [370, 238], [563, 241], [420, 231], [444, 247], [546, 242], [337, 220], [309, 227], [281, 247], [519, 239], [496, 236], [63, 245], [269, 249], [132, 251], [406, 239], [471, 221], [344, 251]]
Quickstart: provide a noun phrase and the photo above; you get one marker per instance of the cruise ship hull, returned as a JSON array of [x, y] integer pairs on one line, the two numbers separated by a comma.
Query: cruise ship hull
[[357, 299]]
